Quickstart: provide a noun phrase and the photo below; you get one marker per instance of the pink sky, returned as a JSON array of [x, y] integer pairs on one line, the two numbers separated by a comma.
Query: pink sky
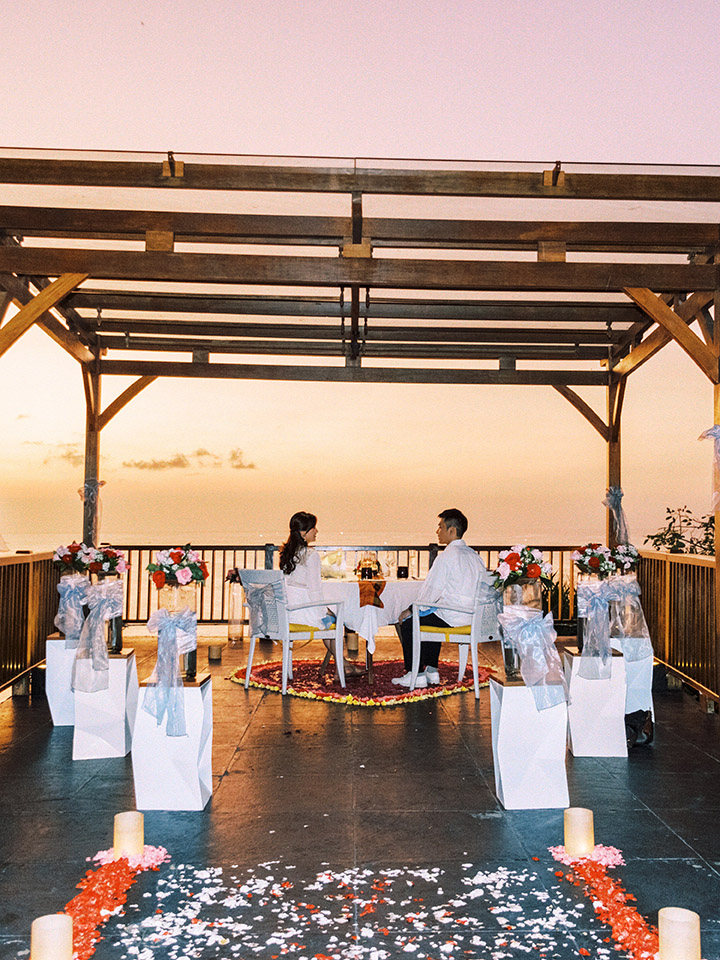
[[501, 81]]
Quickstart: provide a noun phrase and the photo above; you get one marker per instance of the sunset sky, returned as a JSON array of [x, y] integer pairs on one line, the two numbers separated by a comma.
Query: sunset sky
[[229, 461]]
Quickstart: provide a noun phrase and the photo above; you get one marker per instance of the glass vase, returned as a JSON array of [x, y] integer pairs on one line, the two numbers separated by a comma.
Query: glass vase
[[581, 623], [525, 597], [114, 626], [236, 618], [174, 597]]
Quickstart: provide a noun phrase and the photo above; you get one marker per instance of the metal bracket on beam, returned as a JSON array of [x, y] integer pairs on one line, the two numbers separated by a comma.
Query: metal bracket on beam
[[173, 168], [554, 177]]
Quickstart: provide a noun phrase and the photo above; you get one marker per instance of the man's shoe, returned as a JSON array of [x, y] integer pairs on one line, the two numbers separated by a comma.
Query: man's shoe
[[432, 676], [405, 681]]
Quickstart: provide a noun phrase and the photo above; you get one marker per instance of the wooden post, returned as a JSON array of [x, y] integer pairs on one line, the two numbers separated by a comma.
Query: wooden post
[[716, 420], [91, 380], [615, 391]]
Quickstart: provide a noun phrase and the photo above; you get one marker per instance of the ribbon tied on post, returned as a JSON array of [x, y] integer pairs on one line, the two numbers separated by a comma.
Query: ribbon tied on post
[[593, 606], [627, 620], [540, 666], [70, 617], [91, 670], [177, 634], [613, 501], [713, 433]]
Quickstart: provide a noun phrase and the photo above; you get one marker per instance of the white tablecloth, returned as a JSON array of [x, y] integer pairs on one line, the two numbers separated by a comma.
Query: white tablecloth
[[366, 621]]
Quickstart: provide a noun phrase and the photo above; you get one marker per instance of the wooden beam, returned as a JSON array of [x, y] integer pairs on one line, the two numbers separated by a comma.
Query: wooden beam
[[201, 227], [5, 301], [585, 409], [576, 312], [180, 329], [31, 312], [688, 310], [617, 397], [348, 176], [375, 272], [237, 371], [47, 322], [299, 345], [119, 402], [698, 351]]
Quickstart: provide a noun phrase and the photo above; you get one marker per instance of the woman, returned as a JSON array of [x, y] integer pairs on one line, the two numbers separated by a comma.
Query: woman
[[301, 566]]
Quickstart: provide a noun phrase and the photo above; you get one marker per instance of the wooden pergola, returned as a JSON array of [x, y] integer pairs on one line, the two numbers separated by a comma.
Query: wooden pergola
[[387, 299]]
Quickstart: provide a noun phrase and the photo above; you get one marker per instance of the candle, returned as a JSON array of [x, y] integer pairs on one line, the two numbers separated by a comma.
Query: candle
[[679, 934], [579, 832], [129, 839], [215, 651], [51, 937]]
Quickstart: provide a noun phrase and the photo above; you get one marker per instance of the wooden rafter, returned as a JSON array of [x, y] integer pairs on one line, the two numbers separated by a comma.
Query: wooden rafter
[[351, 176], [20, 294], [365, 272], [125, 397], [585, 409], [31, 312], [366, 374], [696, 349]]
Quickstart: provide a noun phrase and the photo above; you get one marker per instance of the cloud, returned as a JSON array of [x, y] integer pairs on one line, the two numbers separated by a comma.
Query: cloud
[[206, 457], [178, 462], [23, 416], [69, 452], [237, 460]]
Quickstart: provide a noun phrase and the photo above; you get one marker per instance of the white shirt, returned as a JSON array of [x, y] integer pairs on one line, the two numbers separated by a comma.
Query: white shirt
[[303, 586], [453, 579]]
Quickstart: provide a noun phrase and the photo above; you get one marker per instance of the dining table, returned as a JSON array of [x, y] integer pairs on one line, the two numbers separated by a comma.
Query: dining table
[[369, 605]]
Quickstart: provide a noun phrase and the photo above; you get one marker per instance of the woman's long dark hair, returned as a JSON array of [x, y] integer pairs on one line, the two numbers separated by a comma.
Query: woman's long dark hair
[[292, 549]]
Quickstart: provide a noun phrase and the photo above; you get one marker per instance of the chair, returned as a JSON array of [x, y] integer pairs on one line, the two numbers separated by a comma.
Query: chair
[[483, 628], [270, 617]]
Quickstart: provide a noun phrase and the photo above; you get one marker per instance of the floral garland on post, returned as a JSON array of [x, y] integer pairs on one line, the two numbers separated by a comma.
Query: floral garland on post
[[595, 558], [178, 567], [522, 563], [75, 557], [80, 558]]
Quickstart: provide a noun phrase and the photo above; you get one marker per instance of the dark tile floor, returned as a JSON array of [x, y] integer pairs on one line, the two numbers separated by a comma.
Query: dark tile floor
[[399, 800]]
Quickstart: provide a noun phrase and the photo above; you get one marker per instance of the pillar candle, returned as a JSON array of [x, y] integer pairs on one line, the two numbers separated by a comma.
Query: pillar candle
[[679, 934], [129, 839], [51, 937], [579, 832]]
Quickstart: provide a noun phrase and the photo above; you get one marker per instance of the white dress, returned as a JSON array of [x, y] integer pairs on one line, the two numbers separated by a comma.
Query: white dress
[[303, 586]]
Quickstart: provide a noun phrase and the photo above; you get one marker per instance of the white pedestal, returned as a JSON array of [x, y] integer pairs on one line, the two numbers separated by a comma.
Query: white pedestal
[[596, 711], [104, 720], [175, 773], [529, 747], [638, 682], [58, 675]]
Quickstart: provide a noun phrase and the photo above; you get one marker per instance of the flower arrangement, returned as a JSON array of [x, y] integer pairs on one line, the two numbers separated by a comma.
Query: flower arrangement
[[625, 557], [74, 558], [370, 564], [177, 567], [594, 558], [80, 558], [522, 563]]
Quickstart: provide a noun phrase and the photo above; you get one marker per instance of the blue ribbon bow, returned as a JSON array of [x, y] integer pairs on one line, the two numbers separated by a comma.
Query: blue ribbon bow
[[176, 633]]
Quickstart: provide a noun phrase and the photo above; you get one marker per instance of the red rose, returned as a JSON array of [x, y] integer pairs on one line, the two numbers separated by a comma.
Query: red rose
[[593, 546], [204, 569], [594, 562], [533, 570], [94, 567], [74, 548], [513, 560], [67, 558], [159, 578], [176, 556]]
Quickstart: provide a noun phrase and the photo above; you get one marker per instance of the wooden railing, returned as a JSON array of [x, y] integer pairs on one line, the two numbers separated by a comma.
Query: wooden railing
[[678, 597], [28, 604]]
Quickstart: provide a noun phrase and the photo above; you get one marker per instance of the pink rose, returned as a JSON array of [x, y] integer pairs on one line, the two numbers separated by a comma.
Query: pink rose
[[184, 575]]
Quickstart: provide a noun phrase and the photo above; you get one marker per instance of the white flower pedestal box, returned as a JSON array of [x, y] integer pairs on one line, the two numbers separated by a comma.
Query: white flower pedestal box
[[596, 711], [104, 720], [638, 681], [175, 773], [529, 748], [58, 675]]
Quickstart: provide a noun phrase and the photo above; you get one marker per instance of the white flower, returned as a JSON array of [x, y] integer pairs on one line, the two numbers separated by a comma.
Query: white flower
[[546, 569], [538, 555], [503, 554], [106, 566], [518, 548], [163, 558], [504, 571], [576, 555]]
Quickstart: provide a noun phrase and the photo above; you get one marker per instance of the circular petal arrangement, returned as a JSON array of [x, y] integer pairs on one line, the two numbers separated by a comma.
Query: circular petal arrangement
[[308, 684]]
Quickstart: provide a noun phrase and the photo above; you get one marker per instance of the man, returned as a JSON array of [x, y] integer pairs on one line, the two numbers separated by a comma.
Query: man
[[453, 580]]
